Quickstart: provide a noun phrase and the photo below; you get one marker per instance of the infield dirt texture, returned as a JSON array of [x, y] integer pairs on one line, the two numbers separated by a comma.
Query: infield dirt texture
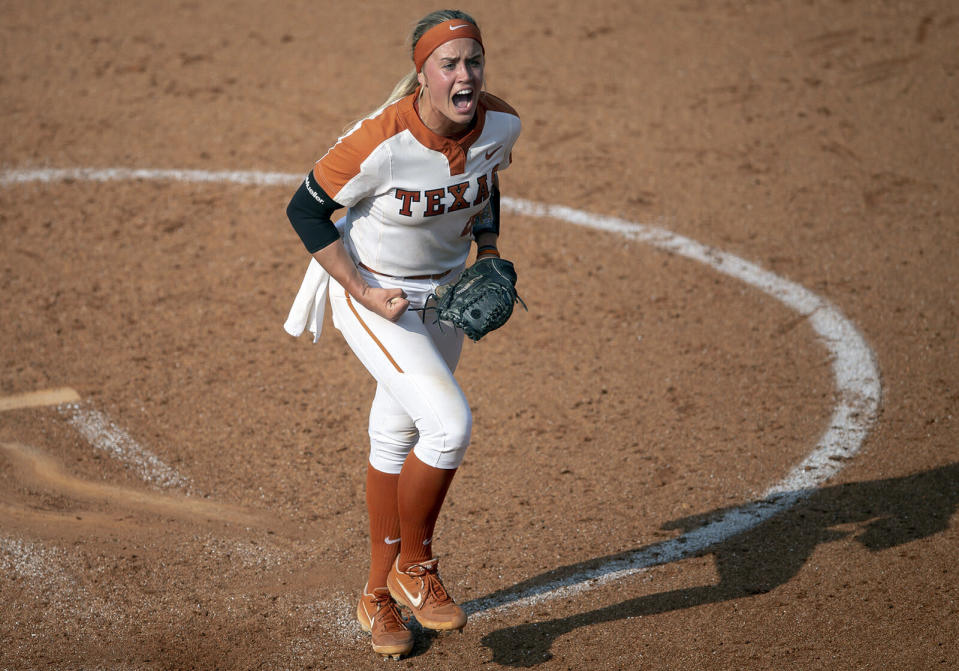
[[187, 491]]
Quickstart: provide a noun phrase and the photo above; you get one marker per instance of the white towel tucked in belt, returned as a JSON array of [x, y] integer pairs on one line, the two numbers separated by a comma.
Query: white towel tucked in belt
[[309, 306]]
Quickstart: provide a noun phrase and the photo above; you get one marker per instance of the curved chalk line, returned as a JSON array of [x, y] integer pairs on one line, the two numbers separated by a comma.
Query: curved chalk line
[[854, 368], [857, 382]]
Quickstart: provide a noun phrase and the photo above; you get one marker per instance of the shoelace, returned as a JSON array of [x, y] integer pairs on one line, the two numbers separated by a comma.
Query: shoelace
[[387, 613], [430, 580]]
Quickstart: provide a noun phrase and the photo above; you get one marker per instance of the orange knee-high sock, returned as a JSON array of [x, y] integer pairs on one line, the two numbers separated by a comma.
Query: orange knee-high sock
[[384, 524], [420, 496]]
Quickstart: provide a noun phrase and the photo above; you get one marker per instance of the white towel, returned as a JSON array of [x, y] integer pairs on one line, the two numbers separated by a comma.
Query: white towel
[[309, 306]]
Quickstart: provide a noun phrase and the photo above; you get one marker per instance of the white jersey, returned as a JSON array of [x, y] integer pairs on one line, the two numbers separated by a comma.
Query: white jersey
[[412, 194]]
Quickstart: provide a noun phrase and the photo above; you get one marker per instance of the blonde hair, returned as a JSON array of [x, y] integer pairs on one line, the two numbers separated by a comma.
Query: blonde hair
[[409, 82]]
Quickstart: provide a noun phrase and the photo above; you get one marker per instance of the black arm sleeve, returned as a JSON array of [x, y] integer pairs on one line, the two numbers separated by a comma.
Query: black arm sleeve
[[309, 211], [489, 224]]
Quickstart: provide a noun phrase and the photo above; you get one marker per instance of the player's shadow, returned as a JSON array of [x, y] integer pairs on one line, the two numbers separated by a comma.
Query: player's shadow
[[890, 512]]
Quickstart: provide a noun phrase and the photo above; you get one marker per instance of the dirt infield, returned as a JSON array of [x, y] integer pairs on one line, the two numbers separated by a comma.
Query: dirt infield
[[181, 482]]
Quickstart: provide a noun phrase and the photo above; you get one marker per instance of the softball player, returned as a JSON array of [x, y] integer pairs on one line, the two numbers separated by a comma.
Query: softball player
[[414, 176]]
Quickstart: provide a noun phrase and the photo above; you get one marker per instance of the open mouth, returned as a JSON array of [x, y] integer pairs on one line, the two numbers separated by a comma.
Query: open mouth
[[462, 100]]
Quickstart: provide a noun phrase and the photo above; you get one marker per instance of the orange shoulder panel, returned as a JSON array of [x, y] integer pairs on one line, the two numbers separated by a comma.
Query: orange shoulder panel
[[495, 104], [342, 162]]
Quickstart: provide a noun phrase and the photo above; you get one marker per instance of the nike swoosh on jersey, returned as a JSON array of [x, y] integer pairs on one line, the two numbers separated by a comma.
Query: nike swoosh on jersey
[[391, 541], [490, 153]]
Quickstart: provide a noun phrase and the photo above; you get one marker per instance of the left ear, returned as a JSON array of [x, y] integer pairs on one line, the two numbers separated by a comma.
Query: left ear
[[421, 78]]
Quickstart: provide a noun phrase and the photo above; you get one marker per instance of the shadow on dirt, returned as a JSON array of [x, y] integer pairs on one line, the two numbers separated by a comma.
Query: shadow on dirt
[[892, 512]]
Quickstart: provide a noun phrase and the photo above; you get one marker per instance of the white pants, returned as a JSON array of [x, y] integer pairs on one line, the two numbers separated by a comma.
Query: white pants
[[418, 405]]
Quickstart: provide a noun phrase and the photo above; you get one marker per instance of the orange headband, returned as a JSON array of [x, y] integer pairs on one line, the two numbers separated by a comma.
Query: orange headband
[[441, 34]]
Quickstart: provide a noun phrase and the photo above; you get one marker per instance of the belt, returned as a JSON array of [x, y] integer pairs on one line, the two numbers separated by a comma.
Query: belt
[[434, 276]]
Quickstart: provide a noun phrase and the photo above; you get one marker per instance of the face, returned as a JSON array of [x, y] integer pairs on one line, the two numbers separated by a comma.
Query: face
[[451, 78]]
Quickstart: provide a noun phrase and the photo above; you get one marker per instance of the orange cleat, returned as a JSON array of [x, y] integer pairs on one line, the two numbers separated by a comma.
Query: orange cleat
[[379, 615], [420, 589]]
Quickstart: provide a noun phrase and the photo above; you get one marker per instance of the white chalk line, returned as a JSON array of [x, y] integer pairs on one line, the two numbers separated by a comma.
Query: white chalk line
[[103, 434], [853, 363], [857, 382], [11, 177]]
